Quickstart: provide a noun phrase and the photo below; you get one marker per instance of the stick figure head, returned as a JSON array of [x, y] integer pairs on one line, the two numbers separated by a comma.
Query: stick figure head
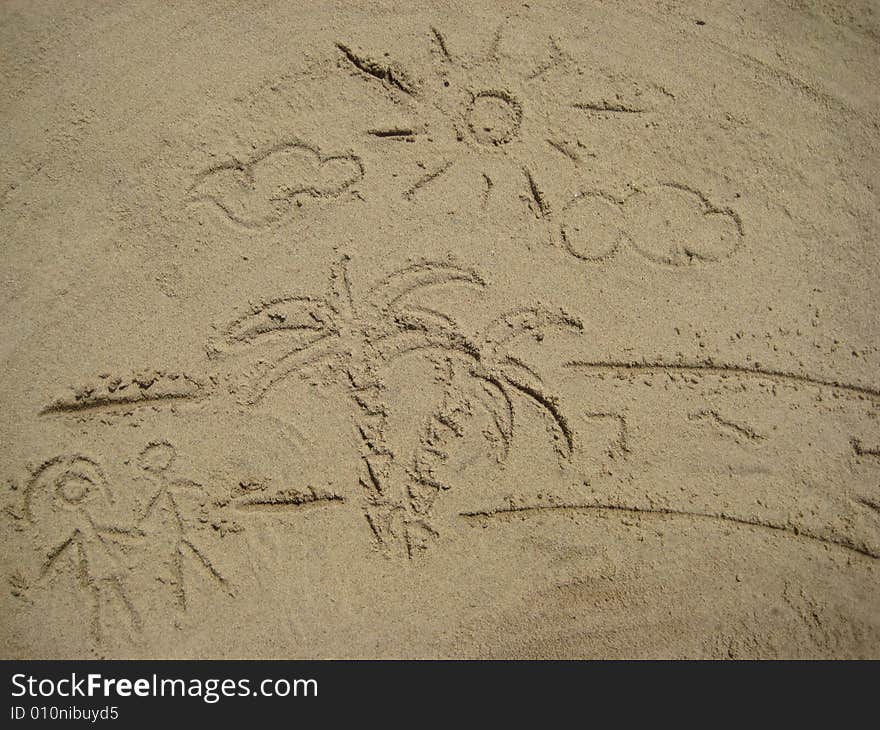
[[157, 457], [64, 494]]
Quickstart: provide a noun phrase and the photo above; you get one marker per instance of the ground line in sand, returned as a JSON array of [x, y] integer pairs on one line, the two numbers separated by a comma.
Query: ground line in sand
[[507, 512]]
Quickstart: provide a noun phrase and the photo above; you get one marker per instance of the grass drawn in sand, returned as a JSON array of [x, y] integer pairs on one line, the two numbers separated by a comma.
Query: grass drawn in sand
[[354, 339]]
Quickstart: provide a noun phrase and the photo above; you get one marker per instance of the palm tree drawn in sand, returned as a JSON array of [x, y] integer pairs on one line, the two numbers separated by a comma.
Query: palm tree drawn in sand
[[351, 340]]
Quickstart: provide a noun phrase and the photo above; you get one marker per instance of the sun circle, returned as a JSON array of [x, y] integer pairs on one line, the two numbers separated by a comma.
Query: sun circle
[[494, 118]]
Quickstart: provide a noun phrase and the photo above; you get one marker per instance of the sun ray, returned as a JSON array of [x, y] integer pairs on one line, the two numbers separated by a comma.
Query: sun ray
[[427, 179]]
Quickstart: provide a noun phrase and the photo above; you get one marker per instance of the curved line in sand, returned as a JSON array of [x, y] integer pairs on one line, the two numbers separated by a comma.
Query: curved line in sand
[[507, 512]]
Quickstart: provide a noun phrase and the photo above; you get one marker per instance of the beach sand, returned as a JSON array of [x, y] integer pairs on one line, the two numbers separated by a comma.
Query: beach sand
[[419, 330]]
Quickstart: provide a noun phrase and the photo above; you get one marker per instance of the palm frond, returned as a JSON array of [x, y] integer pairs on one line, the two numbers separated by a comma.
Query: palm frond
[[524, 381], [414, 317], [514, 364], [496, 400], [285, 316], [302, 361], [393, 346], [418, 277], [532, 321]]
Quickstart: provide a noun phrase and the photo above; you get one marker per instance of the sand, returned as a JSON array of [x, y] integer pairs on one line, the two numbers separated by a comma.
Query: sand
[[440, 330]]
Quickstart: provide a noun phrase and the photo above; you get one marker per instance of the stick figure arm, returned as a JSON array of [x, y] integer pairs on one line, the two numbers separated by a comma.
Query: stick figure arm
[[115, 531], [190, 485]]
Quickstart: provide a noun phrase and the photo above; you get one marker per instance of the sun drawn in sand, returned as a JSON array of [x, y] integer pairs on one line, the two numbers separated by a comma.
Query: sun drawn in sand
[[489, 116]]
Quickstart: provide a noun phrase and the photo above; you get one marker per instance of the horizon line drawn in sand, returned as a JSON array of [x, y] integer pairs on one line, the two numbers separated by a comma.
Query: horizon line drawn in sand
[[697, 367], [286, 500], [59, 499], [351, 340], [261, 191], [483, 105], [669, 223], [859, 449]]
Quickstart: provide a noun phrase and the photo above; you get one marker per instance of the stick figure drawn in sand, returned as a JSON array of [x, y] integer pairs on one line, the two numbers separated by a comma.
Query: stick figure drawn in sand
[[64, 499], [170, 497]]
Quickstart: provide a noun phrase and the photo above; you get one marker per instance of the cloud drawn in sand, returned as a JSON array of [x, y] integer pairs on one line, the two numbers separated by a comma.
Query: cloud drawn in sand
[[263, 190], [670, 223]]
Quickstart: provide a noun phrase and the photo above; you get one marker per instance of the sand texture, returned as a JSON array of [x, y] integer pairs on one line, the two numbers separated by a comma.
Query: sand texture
[[440, 329]]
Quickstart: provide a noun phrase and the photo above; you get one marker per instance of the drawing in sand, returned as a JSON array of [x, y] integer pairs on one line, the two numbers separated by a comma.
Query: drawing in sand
[[65, 501], [353, 338], [261, 191], [500, 126], [168, 503], [489, 330], [670, 224]]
